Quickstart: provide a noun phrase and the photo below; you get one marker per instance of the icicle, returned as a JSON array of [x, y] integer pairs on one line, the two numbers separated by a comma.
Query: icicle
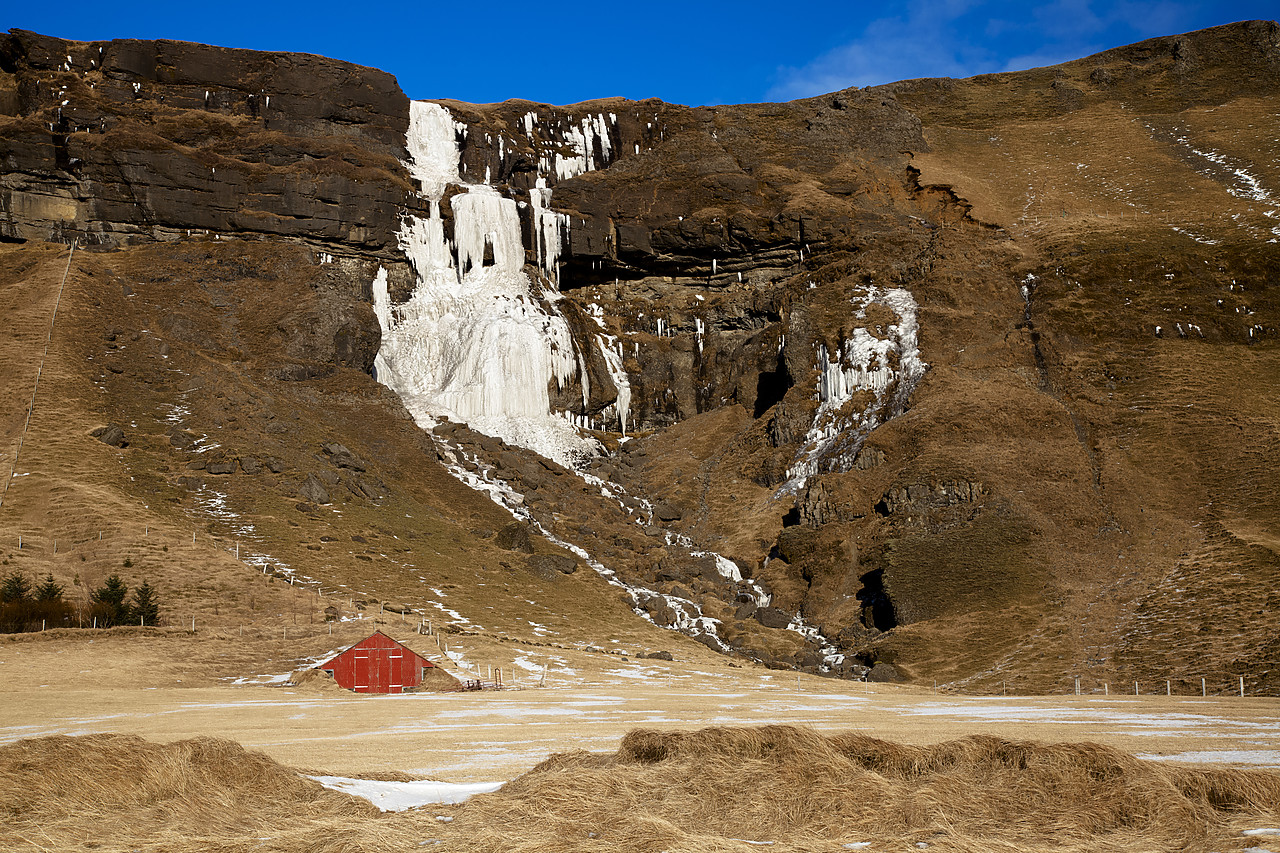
[[475, 343]]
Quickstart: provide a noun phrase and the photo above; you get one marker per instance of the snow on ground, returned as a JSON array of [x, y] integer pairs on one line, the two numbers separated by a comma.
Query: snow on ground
[[399, 796], [1252, 757], [260, 679], [1143, 722]]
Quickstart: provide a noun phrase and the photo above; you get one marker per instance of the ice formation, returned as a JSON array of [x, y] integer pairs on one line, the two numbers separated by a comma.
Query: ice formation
[[887, 367], [479, 341]]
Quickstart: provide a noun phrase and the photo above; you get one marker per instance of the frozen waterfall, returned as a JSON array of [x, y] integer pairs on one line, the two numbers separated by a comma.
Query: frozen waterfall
[[888, 367], [478, 341]]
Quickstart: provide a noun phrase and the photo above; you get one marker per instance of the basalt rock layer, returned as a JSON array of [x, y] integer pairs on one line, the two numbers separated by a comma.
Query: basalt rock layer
[[970, 378]]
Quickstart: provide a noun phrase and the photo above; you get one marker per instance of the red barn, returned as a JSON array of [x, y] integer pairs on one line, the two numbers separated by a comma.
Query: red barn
[[379, 664]]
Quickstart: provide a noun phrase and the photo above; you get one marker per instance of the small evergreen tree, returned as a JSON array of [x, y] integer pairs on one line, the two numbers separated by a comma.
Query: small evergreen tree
[[15, 588], [48, 590], [49, 608], [15, 602], [145, 609], [109, 605]]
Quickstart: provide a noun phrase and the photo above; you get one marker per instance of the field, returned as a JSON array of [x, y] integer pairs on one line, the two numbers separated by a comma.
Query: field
[[959, 747]]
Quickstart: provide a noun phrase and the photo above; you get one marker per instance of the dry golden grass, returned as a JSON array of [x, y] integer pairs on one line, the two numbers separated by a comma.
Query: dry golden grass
[[797, 789], [116, 792], [716, 789]]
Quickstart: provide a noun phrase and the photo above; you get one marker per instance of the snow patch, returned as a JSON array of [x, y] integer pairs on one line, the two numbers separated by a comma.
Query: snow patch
[[401, 796]]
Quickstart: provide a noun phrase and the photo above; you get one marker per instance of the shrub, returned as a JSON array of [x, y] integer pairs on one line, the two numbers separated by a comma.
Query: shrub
[[25, 609]]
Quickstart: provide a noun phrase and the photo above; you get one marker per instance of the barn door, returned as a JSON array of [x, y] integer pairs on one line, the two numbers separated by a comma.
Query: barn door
[[361, 664], [396, 670]]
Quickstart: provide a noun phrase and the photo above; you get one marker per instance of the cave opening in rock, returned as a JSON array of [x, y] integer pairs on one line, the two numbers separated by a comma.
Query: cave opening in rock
[[877, 607], [772, 386], [792, 518]]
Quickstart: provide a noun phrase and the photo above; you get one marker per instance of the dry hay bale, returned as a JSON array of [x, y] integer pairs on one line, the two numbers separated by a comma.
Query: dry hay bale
[[124, 793], [435, 679], [315, 680], [701, 790]]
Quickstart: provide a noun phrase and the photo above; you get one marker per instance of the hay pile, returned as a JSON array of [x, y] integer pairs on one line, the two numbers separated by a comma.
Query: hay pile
[[717, 788], [436, 680], [706, 791], [315, 681], [118, 792]]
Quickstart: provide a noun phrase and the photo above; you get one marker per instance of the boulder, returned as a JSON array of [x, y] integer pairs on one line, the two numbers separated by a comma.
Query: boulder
[[550, 565], [668, 512], [884, 673], [772, 617], [111, 435], [312, 491], [181, 439], [514, 537]]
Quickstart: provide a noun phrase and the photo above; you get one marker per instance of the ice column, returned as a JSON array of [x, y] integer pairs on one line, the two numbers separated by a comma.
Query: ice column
[[476, 341], [889, 367]]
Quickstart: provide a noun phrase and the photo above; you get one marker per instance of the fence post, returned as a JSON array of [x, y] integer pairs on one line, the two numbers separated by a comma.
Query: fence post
[[1168, 688], [1106, 688], [1242, 687], [1202, 688], [1135, 688], [1077, 685]]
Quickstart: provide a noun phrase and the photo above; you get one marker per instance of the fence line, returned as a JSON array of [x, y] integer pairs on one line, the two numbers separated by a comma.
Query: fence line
[[39, 372]]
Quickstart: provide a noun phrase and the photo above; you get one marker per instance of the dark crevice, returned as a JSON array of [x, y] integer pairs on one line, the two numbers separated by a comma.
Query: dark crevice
[[1046, 386], [877, 607], [772, 386]]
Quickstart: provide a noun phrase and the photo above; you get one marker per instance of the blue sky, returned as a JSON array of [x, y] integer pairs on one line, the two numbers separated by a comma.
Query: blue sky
[[684, 52]]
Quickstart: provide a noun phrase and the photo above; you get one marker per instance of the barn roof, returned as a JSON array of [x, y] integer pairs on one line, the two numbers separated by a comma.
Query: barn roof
[[375, 640]]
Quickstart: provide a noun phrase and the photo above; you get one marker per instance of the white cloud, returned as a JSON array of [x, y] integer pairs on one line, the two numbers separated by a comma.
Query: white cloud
[[961, 38]]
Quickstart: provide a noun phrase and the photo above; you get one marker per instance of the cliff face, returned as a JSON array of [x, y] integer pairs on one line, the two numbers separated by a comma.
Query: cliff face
[[974, 378], [117, 141]]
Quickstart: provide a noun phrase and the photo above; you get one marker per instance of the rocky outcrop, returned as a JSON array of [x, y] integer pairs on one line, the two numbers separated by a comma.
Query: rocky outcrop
[[120, 141], [111, 435]]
